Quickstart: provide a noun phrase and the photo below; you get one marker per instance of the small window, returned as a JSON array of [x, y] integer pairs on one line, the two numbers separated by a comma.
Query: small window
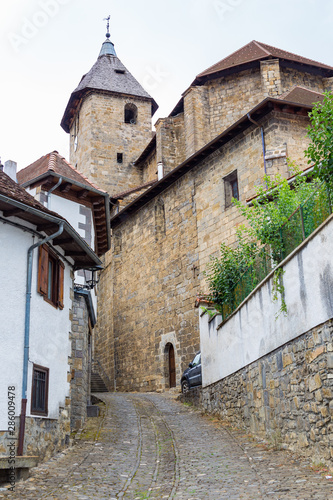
[[50, 277], [39, 390], [120, 71], [119, 157], [131, 114], [231, 188]]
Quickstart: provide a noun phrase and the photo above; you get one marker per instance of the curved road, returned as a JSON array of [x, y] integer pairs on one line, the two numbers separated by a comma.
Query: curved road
[[151, 446]]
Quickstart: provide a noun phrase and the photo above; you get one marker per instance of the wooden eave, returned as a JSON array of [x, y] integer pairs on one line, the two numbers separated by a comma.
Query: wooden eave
[[83, 195], [69, 240]]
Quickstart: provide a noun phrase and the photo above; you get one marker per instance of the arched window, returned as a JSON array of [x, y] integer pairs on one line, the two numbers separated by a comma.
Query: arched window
[[131, 114]]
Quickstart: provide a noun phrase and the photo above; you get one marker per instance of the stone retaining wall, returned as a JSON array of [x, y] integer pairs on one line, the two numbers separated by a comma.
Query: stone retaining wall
[[285, 396], [43, 436]]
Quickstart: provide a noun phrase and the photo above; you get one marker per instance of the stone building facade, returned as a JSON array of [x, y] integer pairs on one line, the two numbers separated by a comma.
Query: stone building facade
[[172, 209]]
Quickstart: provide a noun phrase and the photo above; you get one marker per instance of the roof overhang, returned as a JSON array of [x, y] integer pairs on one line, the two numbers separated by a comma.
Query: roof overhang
[[80, 193], [70, 241]]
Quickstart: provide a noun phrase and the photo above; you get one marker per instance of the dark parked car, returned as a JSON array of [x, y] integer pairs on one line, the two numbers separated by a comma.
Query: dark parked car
[[192, 375]]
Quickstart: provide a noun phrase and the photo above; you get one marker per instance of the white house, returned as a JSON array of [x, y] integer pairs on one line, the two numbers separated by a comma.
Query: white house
[[63, 189], [39, 251]]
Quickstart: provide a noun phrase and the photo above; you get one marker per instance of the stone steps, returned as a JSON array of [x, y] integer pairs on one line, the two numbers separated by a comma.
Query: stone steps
[[97, 383]]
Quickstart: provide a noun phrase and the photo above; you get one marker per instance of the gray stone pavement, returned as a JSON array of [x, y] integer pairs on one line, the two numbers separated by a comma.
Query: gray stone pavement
[[151, 446]]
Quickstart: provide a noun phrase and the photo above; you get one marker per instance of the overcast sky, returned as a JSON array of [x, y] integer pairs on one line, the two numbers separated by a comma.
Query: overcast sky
[[47, 45]]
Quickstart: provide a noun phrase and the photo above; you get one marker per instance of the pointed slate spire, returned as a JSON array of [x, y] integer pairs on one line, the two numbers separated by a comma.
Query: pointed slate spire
[[107, 47], [109, 75]]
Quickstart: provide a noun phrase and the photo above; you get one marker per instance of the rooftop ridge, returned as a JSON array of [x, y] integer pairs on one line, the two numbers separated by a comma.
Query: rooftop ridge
[[258, 44], [255, 51], [52, 161]]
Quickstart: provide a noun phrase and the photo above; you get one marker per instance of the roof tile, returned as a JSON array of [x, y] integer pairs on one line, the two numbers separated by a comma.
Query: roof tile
[[56, 163], [14, 191]]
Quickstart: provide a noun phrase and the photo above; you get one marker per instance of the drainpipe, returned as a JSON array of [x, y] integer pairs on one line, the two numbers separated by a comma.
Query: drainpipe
[[51, 191], [262, 139], [27, 335]]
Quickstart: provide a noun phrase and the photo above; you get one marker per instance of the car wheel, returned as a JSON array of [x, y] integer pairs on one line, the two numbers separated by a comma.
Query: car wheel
[[185, 387]]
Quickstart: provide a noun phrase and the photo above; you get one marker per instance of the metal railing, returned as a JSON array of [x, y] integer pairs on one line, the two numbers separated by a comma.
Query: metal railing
[[302, 222]]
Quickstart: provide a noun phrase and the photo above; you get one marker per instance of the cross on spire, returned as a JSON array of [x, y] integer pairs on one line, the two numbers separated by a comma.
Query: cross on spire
[[107, 26]]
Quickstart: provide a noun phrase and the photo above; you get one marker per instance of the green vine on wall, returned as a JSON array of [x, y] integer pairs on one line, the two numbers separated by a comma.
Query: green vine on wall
[[260, 243], [279, 291]]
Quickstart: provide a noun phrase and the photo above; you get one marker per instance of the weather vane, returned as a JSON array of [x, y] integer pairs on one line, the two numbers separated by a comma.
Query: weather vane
[[107, 26]]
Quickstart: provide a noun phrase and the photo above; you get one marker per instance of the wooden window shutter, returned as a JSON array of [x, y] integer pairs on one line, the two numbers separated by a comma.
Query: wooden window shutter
[[61, 285], [43, 261]]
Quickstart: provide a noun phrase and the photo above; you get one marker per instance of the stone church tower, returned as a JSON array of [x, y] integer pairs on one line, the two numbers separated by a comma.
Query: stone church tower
[[109, 119]]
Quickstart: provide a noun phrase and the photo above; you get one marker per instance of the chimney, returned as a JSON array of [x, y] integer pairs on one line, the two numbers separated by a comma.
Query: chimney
[[10, 169]]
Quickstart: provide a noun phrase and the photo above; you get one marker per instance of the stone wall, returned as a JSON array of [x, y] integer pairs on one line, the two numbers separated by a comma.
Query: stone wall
[[102, 134], [271, 77], [213, 107], [286, 395], [149, 168], [159, 255], [170, 142], [80, 362], [196, 118], [232, 97], [104, 338], [285, 136], [154, 280], [43, 436], [291, 77]]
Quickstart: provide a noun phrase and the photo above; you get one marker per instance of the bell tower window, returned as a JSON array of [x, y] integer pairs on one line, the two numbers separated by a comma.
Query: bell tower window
[[131, 114]]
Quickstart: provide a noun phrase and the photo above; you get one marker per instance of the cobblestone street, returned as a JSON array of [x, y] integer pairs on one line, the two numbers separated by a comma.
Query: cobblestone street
[[151, 446]]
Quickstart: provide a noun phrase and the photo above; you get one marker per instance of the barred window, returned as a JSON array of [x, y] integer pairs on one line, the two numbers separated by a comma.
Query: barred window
[[39, 391]]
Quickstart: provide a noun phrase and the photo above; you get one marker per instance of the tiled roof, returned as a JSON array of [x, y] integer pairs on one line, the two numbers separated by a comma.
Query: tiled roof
[[14, 191], [301, 95], [54, 163], [15, 201], [49, 168], [110, 75], [255, 51]]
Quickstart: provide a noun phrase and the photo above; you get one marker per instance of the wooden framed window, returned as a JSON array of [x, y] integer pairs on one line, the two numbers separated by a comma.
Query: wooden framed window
[[50, 283], [39, 390], [231, 188]]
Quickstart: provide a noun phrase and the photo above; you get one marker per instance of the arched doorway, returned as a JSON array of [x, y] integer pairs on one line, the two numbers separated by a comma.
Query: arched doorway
[[172, 367]]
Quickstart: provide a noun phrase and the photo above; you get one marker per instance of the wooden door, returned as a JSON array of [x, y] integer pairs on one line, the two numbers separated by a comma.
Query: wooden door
[[172, 367]]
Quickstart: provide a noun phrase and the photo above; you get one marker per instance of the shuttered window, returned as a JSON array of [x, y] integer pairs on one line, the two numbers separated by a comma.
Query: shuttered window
[[39, 390], [50, 283]]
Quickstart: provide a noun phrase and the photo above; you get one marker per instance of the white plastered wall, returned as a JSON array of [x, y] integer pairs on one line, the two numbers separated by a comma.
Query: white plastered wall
[[49, 326], [257, 328]]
